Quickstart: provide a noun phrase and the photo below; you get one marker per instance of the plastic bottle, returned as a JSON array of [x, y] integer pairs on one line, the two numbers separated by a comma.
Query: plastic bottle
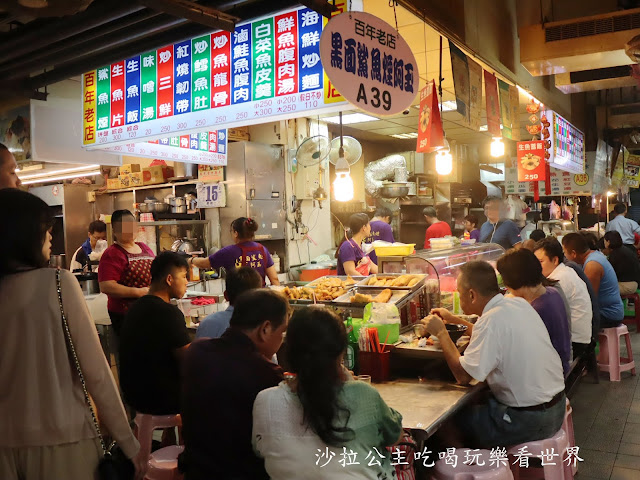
[[276, 261], [352, 346]]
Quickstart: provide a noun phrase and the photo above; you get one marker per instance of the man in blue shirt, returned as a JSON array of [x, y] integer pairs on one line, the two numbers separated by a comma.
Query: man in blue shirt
[[624, 226], [496, 229], [601, 276], [237, 281]]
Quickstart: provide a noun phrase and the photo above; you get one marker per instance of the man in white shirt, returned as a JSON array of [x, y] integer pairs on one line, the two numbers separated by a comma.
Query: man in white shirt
[[624, 226], [510, 349], [549, 252]]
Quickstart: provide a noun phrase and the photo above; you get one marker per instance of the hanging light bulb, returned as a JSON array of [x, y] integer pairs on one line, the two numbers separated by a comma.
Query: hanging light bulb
[[497, 147], [444, 160], [343, 184]]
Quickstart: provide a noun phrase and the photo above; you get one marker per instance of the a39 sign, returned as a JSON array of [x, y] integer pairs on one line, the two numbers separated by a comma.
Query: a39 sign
[[369, 63]]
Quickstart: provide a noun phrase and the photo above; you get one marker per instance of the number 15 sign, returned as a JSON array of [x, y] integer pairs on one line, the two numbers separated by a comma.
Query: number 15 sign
[[211, 195]]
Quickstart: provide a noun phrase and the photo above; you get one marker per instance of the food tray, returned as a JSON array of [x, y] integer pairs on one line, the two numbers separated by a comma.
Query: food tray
[[395, 250], [317, 281], [396, 297], [363, 282]]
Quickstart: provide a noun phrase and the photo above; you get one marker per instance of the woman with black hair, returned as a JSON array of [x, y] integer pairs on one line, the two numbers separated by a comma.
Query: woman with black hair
[[46, 430], [624, 262], [351, 258], [522, 275], [125, 268], [244, 253], [319, 409]]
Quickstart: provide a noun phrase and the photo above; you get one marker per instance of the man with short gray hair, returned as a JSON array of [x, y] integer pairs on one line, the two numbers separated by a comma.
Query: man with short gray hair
[[511, 350]]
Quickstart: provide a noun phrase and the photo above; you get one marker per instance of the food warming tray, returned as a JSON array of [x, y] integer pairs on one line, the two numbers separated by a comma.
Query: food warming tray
[[396, 297], [363, 282]]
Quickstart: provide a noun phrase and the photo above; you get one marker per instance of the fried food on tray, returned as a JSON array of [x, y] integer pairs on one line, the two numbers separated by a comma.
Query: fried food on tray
[[400, 281], [383, 297], [295, 293], [349, 281], [361, 298]]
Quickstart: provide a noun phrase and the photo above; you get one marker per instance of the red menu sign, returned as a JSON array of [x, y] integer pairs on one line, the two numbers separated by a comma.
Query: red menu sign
[[430, 135], [531, 164]]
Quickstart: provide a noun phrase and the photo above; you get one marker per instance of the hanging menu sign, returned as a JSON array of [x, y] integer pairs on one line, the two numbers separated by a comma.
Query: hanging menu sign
[[531, 167], [561, 182], [208, 148], [266, 70], [566, 145], [369, 63]]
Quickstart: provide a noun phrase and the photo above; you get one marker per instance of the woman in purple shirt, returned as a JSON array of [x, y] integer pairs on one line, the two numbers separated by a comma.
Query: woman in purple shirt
[[351, 259], [522, 275], [471, 226], [380, 229], [244, 253]]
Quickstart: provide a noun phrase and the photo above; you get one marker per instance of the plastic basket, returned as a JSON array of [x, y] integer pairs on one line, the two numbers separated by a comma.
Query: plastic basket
[[395, 250], [392, 329]]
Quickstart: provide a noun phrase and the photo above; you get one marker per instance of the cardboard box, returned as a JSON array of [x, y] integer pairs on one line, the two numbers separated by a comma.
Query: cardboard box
[[136, 179], [129, 168], [113, 183], [156, 174], [125, 181]]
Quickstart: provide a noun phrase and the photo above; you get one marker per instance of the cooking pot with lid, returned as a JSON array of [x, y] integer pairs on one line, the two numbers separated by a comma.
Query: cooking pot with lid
[[89, 283]]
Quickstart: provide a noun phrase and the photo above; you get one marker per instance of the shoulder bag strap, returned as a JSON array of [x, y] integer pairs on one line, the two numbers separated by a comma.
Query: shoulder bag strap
[[74, 356]]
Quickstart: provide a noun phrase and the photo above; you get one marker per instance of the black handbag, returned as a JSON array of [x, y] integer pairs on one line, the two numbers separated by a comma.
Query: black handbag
[[114, 465]]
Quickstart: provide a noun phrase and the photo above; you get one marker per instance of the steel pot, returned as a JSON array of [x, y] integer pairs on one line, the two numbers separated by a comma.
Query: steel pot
[[182, 245], [89, 283], [150, 207], [179, 209]]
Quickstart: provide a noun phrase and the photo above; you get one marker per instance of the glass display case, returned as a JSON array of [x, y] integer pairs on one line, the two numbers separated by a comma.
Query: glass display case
[[442, 268]]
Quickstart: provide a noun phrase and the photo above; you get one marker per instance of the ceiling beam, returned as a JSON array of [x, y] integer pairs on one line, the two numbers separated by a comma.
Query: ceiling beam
[[194, 12], [18, 45]]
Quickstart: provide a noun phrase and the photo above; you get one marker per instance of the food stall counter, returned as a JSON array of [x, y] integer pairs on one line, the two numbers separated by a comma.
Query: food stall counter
[[426, 404], [442, 268]]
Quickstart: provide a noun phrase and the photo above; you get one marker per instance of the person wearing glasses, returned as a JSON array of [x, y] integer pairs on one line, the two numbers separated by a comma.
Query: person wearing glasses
[[498, 229]]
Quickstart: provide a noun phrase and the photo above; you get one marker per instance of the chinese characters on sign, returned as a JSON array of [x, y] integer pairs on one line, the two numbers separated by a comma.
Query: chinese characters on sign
[[531, 166], [369, 63], [207, 148], [566, 142], [267, 69], [430, 134], [211, 195], [560, 182], [497, 457]]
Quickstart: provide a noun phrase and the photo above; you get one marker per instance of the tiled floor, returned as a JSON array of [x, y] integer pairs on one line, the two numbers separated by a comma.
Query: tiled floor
[[606, 419]]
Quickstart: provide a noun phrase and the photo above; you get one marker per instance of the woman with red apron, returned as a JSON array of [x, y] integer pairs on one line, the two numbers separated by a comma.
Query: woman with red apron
[[125, 268], [244, 253], [351, 259]]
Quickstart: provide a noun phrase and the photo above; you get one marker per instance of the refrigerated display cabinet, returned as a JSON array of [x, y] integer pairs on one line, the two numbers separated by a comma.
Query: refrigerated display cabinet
[[442, 268]]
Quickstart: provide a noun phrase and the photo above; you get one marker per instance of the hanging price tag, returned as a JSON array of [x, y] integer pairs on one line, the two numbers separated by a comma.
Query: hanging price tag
[[211, 195]]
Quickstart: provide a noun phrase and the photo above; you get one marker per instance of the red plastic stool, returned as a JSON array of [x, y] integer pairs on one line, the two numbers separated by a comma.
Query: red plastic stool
[[609, 359], [163, 463], [558, 444], [628, 319], [486, 471]]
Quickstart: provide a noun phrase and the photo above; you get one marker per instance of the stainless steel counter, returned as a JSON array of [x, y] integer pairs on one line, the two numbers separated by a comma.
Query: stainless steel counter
[[426, 404]]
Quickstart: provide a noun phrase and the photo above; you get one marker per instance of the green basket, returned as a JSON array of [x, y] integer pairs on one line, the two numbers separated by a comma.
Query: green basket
[[393, 330]]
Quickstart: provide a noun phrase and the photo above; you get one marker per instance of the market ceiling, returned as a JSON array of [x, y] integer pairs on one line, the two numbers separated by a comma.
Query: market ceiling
[[65, 38]]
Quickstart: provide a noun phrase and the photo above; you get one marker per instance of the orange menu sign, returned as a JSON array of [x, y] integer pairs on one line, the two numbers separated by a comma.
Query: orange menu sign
[[531, 164]]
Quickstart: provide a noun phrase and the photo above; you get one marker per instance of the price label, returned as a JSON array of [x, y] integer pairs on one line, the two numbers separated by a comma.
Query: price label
[[211, 195]]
